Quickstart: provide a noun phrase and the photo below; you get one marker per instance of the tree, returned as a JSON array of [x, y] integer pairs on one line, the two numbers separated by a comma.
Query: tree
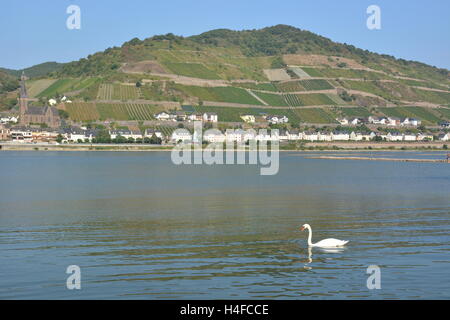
[[120, 139], [133, 42], [63, 114], [378, 138], [59, 138], [103, 136], [345, 96], [156, 140]]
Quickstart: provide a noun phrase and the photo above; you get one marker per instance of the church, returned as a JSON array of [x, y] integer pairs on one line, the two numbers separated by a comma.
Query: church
[[36, 115]]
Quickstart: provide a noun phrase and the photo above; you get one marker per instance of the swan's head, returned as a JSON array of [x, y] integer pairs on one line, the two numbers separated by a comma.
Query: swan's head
[[305, 226]]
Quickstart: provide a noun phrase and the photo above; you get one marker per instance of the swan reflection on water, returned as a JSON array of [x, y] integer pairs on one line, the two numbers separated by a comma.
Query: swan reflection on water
[[309, 259]]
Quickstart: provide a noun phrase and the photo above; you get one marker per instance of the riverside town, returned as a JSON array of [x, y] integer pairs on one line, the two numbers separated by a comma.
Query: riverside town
[[49, 125]]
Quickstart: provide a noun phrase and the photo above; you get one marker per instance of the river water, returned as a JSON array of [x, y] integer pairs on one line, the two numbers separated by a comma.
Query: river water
[[140, 227]]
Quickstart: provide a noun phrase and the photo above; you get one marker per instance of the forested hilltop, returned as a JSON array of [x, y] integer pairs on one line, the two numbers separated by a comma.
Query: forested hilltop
[[272, 41]]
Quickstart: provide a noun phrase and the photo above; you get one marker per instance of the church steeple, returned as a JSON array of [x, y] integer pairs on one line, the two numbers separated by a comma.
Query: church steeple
[[23, 98]]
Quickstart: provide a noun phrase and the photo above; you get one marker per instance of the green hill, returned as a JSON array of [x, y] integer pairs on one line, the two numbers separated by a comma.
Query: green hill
[[35, 71], [221, 46], [279, 66]]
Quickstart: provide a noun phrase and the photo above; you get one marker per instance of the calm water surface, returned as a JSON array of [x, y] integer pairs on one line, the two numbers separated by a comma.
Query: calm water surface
[[140, 227]]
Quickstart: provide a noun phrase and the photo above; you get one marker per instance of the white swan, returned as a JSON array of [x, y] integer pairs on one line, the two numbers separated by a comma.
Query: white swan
[[325, 243]]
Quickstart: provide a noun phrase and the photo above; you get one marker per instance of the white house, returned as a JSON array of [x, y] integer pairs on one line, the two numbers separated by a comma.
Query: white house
[[356, 136], [65, 99], [310, 136], [377, 120], [135, 134], [395, 136], [164, 116], [195, 117], [425, 137], [444, 137], [356, 121], [249, 135], [342, 121], [73, 135], [21, 134], [148, 133], [341, 136], [44, 134], [261, 136], [409, 137], [411, 122], [126, 134], [180, 116], [214, 136], [210, 117], [235, 135], [89, 135], [52, 102], [369, 136], [248, 118], [405, 122], [393, 121], [181, 135], [293, 135], [273, 119], [9, 120], [325, 136]]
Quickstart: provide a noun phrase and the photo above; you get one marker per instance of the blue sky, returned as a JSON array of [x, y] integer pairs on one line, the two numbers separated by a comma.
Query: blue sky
[[35, 31]]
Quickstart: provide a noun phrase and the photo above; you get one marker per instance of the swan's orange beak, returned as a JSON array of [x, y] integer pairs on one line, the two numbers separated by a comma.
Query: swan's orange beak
[[302, 228]]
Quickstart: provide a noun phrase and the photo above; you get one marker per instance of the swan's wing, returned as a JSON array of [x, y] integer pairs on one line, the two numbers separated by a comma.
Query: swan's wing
[[331, 243]]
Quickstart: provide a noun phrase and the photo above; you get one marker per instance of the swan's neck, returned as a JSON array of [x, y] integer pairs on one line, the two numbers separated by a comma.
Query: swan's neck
[[309, 236]]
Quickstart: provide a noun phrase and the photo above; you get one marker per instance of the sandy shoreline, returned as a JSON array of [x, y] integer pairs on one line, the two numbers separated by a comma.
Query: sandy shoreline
[[378, 159]]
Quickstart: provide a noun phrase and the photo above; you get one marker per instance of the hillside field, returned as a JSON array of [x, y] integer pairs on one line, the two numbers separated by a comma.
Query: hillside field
[[279, 66]]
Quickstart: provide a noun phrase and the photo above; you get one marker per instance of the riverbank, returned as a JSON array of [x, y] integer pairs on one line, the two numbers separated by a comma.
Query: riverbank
[[304, 147], [82, 147]]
